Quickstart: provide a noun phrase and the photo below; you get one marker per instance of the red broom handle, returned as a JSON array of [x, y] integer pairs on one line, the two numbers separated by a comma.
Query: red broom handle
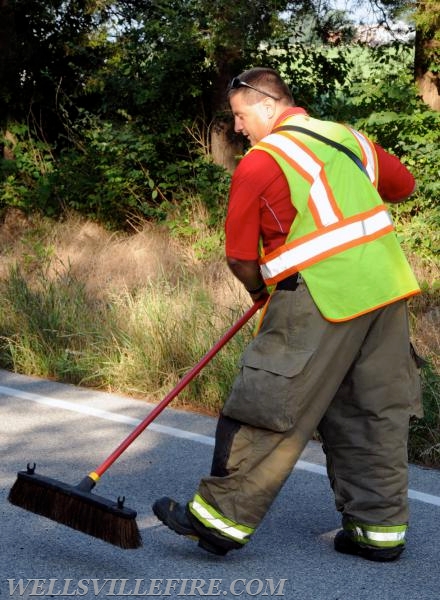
[[95, 475]]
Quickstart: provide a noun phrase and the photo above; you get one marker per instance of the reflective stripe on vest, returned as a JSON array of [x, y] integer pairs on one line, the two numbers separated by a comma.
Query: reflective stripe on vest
[[377, 535], [298, 254], [211, 518], [369, 154], [322, 203]]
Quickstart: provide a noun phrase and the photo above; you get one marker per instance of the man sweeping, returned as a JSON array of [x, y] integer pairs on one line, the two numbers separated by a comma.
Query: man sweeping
[[307, 228]]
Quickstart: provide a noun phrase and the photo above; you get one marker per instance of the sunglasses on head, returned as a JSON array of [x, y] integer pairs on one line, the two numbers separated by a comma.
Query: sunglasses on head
[[237, 83]]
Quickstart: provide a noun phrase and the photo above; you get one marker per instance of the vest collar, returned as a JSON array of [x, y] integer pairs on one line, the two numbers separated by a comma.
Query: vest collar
[[289, 112]]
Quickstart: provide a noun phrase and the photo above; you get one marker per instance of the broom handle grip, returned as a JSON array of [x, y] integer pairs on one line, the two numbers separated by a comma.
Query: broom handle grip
[[179, 387]]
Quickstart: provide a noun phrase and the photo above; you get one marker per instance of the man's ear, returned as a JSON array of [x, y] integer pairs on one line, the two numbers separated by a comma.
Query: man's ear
[[269, 105]]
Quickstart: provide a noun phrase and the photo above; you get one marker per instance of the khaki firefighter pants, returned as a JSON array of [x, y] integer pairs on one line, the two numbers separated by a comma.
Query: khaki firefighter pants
[[356, 382]]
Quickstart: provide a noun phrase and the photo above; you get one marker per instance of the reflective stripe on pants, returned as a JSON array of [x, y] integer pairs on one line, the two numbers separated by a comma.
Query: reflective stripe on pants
[[376, 535], [212, 519]]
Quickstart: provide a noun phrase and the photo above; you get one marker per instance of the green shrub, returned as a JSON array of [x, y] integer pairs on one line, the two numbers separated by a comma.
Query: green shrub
[[25, 179]]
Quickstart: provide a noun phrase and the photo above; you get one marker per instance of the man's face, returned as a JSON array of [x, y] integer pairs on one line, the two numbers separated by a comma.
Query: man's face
[[254, 121]]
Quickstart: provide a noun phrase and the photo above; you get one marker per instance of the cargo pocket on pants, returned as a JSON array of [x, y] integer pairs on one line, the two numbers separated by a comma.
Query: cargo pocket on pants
[[269, 392]]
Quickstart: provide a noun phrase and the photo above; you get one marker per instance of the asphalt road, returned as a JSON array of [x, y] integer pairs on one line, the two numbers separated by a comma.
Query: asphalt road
[[68, 431]]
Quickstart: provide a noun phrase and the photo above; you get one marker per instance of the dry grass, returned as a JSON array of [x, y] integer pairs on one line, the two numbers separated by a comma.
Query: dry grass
[[128, 313], [108, 263]]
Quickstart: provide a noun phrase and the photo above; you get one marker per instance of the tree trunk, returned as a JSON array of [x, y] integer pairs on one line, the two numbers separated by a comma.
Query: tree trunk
[[225, 148], [225, 145], [429, 85], [428, 82]]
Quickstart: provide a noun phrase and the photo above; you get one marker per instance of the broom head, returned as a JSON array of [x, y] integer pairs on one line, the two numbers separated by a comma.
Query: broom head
[[77, 508]]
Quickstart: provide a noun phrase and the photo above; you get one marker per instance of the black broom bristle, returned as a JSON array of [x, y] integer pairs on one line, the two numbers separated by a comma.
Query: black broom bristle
[[91, 514]]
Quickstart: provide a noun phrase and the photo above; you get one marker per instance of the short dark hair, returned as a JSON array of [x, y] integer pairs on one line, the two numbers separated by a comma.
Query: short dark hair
[[266, 80]]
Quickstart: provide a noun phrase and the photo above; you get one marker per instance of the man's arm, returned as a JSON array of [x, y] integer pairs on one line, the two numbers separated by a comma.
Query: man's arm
[[248, 272], [396, 183]]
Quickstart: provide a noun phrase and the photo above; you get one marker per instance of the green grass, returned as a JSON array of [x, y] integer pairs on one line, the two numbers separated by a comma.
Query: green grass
[[140, 343]]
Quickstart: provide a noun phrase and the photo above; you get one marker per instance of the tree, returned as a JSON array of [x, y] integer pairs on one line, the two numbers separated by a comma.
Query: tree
[[200, 46], [47, 49], [128, 92], [425, 15], [165, 64], [427, 52]]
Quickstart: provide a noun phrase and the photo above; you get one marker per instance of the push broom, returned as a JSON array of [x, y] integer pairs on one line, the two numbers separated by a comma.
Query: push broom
[[75, 506]]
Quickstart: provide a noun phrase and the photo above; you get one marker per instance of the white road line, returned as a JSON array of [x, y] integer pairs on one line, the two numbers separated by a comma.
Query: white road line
[[104, 414], [173, 431]]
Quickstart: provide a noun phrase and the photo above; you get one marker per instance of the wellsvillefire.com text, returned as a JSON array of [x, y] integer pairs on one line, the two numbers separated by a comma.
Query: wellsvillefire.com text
[[145, 587]]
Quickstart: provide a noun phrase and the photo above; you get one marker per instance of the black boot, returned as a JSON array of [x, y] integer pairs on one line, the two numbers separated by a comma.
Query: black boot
[[346, 545], [179, 519]]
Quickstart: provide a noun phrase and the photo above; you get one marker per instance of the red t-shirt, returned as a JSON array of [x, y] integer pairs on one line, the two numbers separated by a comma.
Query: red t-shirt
[[260, 204]]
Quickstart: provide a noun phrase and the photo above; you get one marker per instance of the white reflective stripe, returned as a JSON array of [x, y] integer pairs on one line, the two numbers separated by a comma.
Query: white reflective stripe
[[371, 163], [389, 536], [291, 148], [320, 199], [384, 536], [217, 523], [313, 168], [325, 242]]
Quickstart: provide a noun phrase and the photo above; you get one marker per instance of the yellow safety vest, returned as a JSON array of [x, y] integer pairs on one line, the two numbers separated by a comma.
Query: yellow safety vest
[[342, 238]]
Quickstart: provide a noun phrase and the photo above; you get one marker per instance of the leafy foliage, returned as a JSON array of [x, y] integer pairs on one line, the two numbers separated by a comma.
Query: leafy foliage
[[116, 90], [52, 48], [313, 72], [378, 79], [24, 181], [106, 176]]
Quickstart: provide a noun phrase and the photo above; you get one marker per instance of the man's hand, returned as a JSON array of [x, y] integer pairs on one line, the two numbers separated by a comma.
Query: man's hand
[[259, 295]]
